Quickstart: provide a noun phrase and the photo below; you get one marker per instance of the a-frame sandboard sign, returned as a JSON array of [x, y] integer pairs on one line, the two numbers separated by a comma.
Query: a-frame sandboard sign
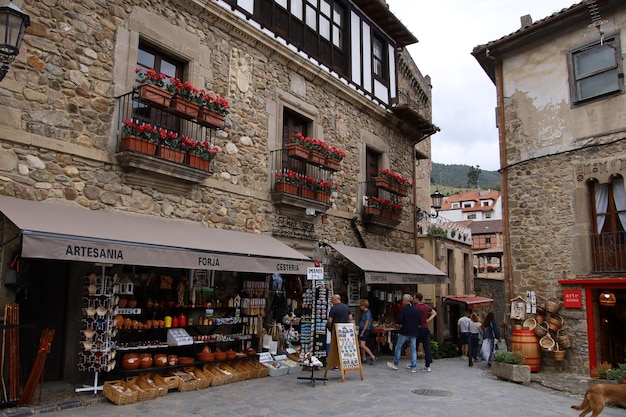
[[344, 350]]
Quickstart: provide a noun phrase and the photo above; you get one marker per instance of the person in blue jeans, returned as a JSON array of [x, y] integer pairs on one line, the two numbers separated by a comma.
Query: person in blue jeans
[[365, 327], [409, 320]]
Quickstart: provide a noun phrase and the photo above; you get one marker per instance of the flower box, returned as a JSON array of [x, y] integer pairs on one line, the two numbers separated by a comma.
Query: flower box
[[298, 151], [154, 95], [332, 163], [197, 162], [135, 144], [510, 372], [307, 193], [285, 187], [317, 157], [322, 196], [402, 190], [382, 182], [174, 155], [210, 118], [184, 108], [374, 211]]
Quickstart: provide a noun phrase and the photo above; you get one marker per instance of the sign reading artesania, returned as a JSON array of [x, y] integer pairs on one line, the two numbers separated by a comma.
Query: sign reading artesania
[[96, 253]]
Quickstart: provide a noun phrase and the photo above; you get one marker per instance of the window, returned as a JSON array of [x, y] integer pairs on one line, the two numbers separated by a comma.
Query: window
[[316, 27], [455, 206], [594, 70], [149, 57], [488, 240], [293, 123], [487, 215], [608, 203], [471, 216], [485, 203], [372, 160], [379, 58], [467, 205]]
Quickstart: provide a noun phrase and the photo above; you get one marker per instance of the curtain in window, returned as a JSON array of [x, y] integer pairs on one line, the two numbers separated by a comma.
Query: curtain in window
[[619, 194], [601, 193]]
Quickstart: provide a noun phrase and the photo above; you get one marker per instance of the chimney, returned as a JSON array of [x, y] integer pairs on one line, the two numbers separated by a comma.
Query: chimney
[[526, 21]]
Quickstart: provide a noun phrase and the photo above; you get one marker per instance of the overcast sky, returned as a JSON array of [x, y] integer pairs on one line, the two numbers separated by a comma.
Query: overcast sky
[[464, 98]]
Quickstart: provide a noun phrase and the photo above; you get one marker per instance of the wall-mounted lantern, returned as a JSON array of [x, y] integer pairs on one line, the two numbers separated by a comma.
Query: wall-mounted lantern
[[13, 24]]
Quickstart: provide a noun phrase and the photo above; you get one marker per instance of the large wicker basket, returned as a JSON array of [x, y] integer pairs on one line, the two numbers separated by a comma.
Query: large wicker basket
[[203, 379], [555, 322], [564, 340], [119, 393], [219, 377], [558, 354], [552, 305], [547, 343], [143, 393], [541, 330]]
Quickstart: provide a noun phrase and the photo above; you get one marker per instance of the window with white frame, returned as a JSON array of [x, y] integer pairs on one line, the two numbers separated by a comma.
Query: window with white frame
[[595, 69]]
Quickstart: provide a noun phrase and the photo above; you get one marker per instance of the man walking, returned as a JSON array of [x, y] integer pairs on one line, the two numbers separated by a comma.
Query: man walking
[[463, 326], [428, 314], [409, 320]]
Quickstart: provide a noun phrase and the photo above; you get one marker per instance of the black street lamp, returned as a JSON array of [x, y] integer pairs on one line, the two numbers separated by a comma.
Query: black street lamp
[[437, 199], [13, 24]]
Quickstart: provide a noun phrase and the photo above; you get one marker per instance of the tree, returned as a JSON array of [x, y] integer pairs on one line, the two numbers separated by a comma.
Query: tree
[[472, 176]]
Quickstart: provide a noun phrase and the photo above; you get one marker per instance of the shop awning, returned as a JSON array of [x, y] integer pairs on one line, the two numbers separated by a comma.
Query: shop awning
[[471, 301], [382, 267], [54, 231]]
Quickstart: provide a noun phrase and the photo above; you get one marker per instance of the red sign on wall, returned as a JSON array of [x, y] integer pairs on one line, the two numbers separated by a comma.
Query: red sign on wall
[[572, 299]]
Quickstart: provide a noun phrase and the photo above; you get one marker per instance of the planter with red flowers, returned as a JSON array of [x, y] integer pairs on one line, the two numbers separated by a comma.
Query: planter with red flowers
[[150, 88], [198, 154], [381, 211], [392, 182], [287, 182], [139, 137], [308, 186], [213, 110], [315, 151]]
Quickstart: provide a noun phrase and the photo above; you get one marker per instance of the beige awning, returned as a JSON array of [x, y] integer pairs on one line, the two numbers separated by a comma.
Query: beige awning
[[54, 231], [471, 301], [382, 267]]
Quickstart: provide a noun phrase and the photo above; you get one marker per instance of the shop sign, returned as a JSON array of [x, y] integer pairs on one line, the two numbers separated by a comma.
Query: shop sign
[[315, 274], [572, 299]]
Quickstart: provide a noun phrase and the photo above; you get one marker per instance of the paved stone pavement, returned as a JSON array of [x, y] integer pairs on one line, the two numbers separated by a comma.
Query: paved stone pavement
[[451, 389]]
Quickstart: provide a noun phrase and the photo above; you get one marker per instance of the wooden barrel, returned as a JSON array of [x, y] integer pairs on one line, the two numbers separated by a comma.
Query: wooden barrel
[[525, 343]]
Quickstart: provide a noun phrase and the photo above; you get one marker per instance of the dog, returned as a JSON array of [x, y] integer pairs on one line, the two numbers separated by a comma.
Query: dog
[[599, 394]]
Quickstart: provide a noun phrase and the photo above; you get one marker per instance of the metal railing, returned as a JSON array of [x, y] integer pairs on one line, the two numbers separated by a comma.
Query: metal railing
[[609, 252]]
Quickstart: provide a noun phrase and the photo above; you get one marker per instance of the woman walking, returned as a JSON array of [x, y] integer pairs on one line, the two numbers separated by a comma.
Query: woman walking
[[490, 333]]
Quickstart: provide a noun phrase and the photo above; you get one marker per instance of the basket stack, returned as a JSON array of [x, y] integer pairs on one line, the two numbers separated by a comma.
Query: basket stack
[[548, 324]]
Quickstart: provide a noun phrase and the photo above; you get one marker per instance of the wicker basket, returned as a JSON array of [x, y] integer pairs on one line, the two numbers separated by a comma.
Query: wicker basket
[[547, 343], [529, 324], [541, 330], [170, 380], [203, 379], [564, 340], [143, 394], [119, 393], [558, 354], [159, 382], [219, 377], [186, 381], [552, 305], [555, 322], [237, 375]]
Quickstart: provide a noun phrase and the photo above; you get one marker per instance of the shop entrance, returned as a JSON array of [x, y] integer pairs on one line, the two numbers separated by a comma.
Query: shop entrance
[[42, 300], [612, 320]]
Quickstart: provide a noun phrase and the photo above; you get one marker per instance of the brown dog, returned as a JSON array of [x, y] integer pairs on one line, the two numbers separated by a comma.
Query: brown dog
[[599, 394]]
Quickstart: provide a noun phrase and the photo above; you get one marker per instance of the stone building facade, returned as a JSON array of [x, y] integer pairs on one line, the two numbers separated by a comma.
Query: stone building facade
[[562, 149], [62, 107]]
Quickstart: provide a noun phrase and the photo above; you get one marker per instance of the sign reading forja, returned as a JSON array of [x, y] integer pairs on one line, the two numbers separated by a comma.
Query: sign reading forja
[[315, 274]]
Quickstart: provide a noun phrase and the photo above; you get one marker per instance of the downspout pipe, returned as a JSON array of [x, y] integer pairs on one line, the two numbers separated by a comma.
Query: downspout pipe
[[503, 170]]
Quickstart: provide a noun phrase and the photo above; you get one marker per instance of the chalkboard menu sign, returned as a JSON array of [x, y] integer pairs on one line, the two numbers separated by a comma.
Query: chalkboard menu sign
[[344, 349]]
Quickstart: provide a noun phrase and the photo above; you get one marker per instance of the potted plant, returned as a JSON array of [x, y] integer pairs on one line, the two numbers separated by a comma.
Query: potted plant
[[308, 185], [212, 110], [436, 232], [150, 88], [185, 100], [393, 182], [323, 190], [509, 366], [334, 156], [137, 137], [199, 154], [287, 182], [313, 148], [378, 206], [396, 211], [170, 146]]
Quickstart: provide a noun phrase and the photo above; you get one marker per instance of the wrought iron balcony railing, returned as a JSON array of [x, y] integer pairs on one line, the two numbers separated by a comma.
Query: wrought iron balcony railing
[[609, 252]]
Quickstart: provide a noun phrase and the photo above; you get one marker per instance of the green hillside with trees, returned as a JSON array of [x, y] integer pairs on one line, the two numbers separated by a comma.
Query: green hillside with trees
[[450, 179]]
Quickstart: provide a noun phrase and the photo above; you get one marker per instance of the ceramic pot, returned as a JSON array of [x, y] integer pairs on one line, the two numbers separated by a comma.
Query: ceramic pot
[[130, 361], [145, 360], [160, 359], [123, 302], [172, 359], [132, 303]]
